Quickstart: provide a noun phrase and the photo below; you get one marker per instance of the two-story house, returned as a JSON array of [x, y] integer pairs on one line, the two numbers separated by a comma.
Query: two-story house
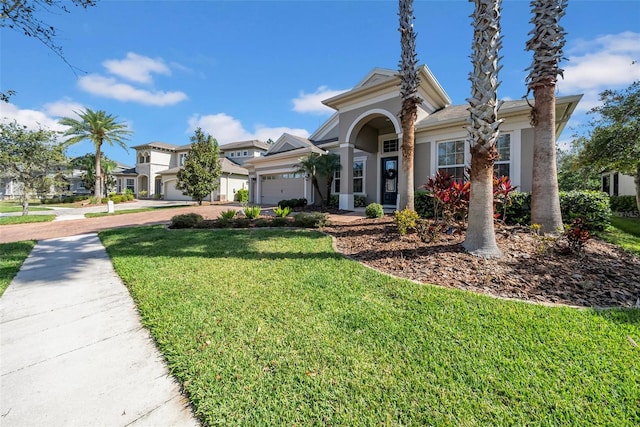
[[158, 163]]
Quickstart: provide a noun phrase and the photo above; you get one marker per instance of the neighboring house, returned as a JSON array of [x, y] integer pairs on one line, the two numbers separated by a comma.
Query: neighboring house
[[617, 184], [366, 132], [158, 163], [10, 189]]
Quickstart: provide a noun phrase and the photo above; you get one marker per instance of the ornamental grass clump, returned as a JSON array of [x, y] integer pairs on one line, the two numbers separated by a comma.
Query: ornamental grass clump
[[282, 212], [228, 214], [252, 212]]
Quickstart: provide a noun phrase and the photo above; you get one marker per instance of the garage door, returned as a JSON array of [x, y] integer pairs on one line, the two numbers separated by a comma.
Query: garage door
[[281, 187], [172, 193]]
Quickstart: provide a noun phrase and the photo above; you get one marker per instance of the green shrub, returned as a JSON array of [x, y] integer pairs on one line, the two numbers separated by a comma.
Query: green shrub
[[262, 222], [293, 203], [424, 204], [405, 220], [623, 204], [519, 211], [157, 196], [185, 220], [242, 196], [592, 206], [252, 212], [241, 222], [310, 220], [206, 223], [374, 210], [359, 201], [282, 212], [143, 193], [334, 201], [228, 214], [279, 222]]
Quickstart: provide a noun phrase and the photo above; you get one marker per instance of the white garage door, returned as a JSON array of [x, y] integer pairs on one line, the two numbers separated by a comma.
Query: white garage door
[[281, 187], [172, 193]]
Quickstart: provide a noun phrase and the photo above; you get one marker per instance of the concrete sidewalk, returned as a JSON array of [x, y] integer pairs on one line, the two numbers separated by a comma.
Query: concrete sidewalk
[[72, 349]]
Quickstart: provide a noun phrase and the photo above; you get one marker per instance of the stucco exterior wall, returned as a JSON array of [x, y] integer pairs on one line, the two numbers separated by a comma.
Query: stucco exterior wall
[[526, 161], [422, 165]]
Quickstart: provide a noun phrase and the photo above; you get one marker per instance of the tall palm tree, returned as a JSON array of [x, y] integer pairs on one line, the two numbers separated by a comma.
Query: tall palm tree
[[480, 239], [547, 41], [409, 82], [97, 127]]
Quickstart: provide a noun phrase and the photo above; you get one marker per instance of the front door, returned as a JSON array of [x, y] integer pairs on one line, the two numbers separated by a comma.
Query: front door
[[389, 180]]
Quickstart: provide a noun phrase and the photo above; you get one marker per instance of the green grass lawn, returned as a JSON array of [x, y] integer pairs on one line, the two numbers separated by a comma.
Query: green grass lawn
[[6, 207], [272, 327], [624, 232], [25, 219], [12, 255]]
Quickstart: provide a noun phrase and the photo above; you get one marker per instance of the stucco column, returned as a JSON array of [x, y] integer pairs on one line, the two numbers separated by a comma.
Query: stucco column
[[346, 176]]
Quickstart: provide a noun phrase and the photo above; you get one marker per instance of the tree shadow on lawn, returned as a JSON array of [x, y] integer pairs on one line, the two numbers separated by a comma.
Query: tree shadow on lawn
[[214, 243]]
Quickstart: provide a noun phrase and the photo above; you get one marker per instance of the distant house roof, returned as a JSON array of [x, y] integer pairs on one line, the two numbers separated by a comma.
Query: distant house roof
[[254, 143], [156, 144], [122, 169], [227, 165]]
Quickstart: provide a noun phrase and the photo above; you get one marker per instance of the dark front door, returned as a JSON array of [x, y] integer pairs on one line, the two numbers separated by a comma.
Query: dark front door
[[389, 180]]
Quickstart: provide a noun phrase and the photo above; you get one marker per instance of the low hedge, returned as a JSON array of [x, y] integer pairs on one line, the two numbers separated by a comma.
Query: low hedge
[[591, 205], [292, 203], [623, 204]]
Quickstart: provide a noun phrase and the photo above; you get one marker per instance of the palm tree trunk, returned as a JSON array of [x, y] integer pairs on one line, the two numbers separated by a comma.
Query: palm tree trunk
[[409, 82], [480, 239], [97, 190], [545, 198]]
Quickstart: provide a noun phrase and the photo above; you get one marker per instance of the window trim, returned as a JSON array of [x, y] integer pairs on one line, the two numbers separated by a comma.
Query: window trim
[[467, 154], [363, 177]]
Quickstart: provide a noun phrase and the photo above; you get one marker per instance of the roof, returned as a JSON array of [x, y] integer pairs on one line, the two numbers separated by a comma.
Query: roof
[[122, 169], [254, 143], [157, 144], [459, 113], [227, 167]]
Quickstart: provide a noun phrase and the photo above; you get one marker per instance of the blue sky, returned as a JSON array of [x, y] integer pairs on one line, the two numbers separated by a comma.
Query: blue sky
[[254, 69]]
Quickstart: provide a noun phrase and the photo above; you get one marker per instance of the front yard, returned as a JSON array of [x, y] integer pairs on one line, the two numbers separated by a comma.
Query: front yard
[[272, 327]]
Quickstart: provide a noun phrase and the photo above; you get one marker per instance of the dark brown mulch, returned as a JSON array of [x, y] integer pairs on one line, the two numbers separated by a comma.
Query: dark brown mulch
[[603, 276]]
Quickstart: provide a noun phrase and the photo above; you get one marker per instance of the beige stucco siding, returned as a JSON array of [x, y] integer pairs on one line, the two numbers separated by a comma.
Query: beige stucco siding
[[422, 165], [526, 161], [347, 118], [229, 186]]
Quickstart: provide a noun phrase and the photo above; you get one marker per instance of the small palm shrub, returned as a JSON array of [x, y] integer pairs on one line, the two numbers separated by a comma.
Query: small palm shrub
[[252, 212], [374, 210], [405, 220], [282, 212], [185, 220], [228, 214]]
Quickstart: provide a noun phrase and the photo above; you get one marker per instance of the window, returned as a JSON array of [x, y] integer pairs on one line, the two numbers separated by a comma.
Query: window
[[238, 154], [81, 185], [131, 184], [336, 182], [390, 146], [120, 185], [141, 159], [183, 157], [245, 154], [232, 154], [358, 176], [148, 159], [501, 165], [451, 158]]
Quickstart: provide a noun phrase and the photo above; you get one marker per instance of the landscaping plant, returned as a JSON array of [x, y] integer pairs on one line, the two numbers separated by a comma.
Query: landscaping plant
[[374, 210], [228, 214], [252, 212], [282, 212], [405, 220]]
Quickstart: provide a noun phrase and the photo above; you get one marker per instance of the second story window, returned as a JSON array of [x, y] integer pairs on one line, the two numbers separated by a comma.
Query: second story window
[[182, 158]]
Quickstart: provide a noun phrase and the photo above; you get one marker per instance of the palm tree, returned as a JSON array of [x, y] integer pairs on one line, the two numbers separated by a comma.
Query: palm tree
[[546, 43], [97, 127], [87, 163], [316, 166], [409, 82], [480, 239]]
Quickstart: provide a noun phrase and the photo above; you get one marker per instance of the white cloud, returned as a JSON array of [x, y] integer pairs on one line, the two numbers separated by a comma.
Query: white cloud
[[32, 119], [225, 129], [137, 68], [605, 62], [312, 102], [63, 108], [109, 87]]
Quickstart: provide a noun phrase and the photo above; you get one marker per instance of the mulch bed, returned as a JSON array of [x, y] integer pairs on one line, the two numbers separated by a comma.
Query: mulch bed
[[603, 276]]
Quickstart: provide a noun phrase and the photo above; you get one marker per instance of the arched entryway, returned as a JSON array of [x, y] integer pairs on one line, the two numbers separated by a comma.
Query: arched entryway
[[143, 186], [372, 152]]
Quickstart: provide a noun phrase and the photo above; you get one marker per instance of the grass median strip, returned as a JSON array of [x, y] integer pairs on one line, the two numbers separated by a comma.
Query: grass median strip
[[270, 327], [5, 220], [12, 255], [129, 211]]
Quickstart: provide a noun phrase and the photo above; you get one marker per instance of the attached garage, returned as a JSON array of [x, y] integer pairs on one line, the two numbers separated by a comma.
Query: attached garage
[[171, 192], [278, 187]]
